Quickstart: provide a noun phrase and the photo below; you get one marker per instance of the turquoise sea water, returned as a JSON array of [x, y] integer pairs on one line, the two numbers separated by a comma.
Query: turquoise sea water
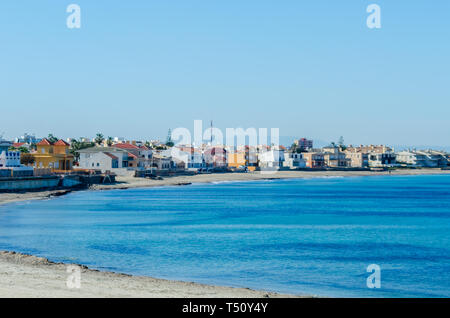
[[310, 236]]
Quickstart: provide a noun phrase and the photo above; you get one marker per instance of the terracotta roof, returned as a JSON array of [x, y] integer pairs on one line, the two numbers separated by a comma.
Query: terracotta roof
[[61, 143], [44, 142], [131, 155], [125, 146], [110, 155], [18, 144]]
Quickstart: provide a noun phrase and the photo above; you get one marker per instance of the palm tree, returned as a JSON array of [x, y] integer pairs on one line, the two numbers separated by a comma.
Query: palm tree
[[341, 143], [169, 142], [99, 139], [52, 138], [74, 147], [109, 141]]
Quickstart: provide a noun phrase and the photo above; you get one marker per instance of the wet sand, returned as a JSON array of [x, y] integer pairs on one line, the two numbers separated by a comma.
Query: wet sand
[[35, 277]]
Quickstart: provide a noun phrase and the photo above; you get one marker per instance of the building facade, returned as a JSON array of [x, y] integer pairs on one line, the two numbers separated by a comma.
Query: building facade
[[304, 144], [294, 160], [425, 158], [54, 156], [272, 158], [10, 164], [335, 158], [314, 160], [357, 159]]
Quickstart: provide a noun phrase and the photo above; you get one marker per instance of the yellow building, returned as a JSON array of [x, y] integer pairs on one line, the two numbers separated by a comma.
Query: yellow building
[[244, 158], [236, 160], [54, 156]]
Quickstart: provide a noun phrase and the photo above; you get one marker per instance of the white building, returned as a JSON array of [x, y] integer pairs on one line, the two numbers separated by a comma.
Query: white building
[[382, 160], [294, 160], [191, 160], [26, 138], [429, 158], [104, 159], [272, 158], [10, 160]]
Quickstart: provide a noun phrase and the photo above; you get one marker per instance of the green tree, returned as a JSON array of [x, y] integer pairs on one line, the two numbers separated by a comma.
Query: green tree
[[76, 145], [27, 159], [341, 143], [148, 145], [109, 141], [23, 149], [52, 138], [99, 139], [169, 142]]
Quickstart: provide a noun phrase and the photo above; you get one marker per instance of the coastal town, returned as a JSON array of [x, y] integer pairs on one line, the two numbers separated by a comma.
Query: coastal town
[[32, 163]]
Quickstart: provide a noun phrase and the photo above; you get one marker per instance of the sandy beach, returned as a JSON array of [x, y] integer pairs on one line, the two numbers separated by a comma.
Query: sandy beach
[[30, 276], [130, 182]]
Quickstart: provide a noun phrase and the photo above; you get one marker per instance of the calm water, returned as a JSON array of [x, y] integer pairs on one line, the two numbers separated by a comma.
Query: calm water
[[313, 236]]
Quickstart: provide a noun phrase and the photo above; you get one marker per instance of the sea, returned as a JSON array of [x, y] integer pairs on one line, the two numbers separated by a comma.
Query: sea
[[375, 236]]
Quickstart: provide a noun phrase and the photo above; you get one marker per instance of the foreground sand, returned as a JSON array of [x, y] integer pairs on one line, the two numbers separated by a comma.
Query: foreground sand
[[30, 276]]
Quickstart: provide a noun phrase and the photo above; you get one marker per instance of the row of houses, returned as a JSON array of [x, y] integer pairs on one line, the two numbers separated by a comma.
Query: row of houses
[[334, 156], [370, 157], [125, 158]]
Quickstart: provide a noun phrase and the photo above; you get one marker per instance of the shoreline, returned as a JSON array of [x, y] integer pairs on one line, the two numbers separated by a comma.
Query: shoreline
[[28, 276], [124, 183]]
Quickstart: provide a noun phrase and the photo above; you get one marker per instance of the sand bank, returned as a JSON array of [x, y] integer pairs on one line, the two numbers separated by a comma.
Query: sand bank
[[33, 195], [130, 182], [29, 276]]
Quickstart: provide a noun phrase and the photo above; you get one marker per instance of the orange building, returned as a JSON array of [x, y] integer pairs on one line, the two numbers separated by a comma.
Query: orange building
[[53, 155], [236, 160], [314, 160]]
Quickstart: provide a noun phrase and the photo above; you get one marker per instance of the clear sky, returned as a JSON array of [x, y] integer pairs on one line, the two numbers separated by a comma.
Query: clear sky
[[310, 68]]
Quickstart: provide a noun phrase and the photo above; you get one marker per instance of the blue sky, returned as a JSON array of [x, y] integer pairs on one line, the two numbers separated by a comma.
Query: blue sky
[[310, 68]]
